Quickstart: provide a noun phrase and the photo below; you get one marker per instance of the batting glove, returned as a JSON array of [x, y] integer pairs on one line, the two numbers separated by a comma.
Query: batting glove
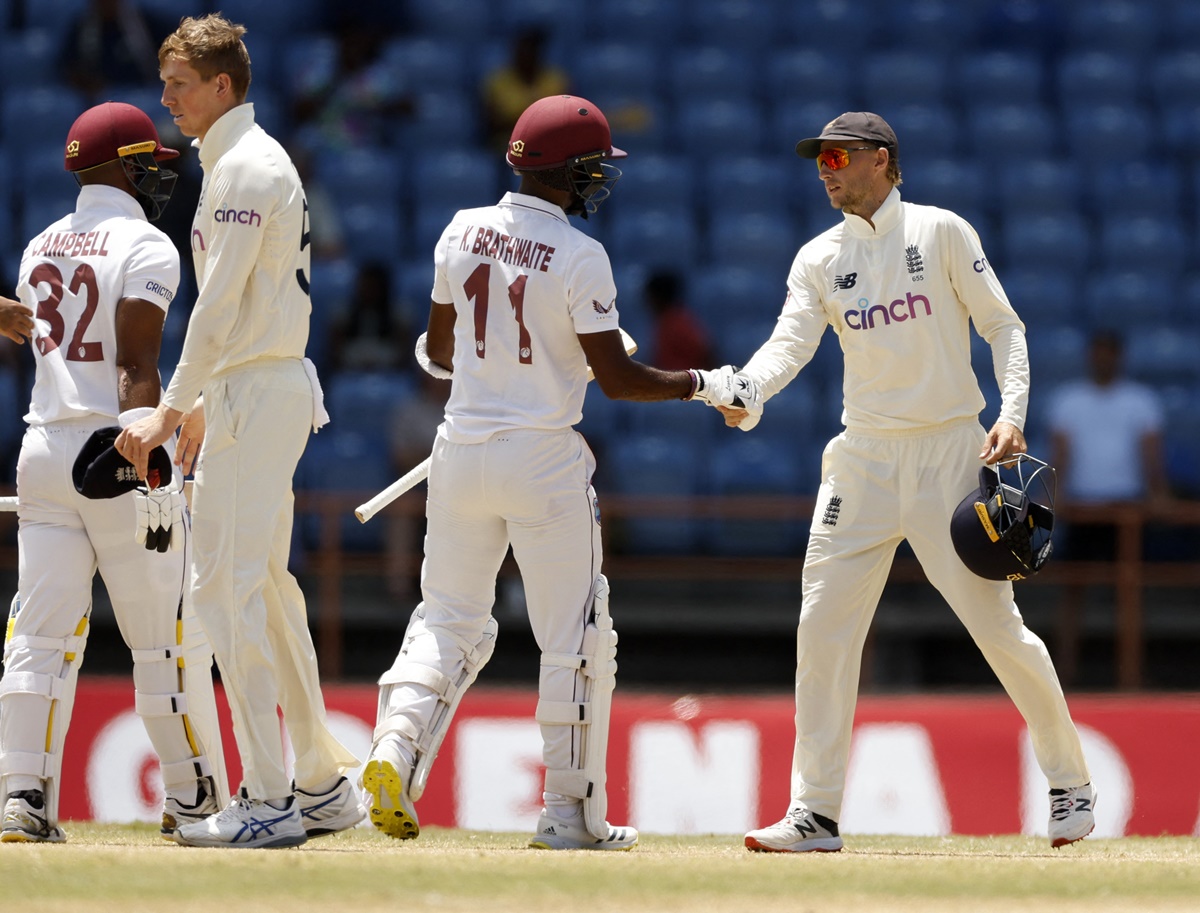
[[159, 518], [726, 387]]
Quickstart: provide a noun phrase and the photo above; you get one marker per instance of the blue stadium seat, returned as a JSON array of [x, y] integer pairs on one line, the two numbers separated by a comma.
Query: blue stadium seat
[[654, 238], [655, 465], [750, 464], [1057, 355], [722, 295], [361, 402], [465, 20], [794, 118], [331, 285], [925, 131], [958, 184], [1043, 297], [617, 68], [662, 19], [272, 17], [837, 26], [343, 461], [1157, 244], [1030, 185], [757, 240], [605, 420], [1175, 78], [29, 57], [711, 72], [1162, 355], [1118, 298], [1188, 310], [698, 427], [732, 125], [1055, 241], [560, 18], [733, 23], [639, 122], [748, 182], [1099, 77], [1125, 26], [1137, 187], [655, 181], [737, 340], [1110, 133], [372, 232], [363, 174], [793, 73], [42, 114], [432, 60], [309, 59], [1181, 25], [457, 179], [931, 23], [894, 78], [441, 119], [54, 16], [1000, 77], [1008, 132]]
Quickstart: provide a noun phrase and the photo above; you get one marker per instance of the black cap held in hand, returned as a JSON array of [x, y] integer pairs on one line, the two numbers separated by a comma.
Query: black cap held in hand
[[100, 472]]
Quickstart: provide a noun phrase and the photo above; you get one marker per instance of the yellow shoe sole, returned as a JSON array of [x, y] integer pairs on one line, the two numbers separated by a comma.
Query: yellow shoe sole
[[382, 782]]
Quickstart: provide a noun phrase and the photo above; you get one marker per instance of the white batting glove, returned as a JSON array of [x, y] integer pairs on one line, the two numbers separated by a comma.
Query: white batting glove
[[726, 387], [159, 517]]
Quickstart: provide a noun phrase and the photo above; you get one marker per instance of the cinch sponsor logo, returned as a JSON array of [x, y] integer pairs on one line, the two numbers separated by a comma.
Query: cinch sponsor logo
[[867, 316], [161, 290], [241, 216]]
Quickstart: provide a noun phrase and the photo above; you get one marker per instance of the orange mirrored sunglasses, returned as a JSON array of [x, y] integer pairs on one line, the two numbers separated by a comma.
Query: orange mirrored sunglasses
[[836, 158]]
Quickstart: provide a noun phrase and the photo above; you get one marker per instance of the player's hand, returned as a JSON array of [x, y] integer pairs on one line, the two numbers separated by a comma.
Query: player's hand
[[137, 440], [739, 418], [16, 320], [159, 518], [191, 436], [726, 387], [1003, 441]]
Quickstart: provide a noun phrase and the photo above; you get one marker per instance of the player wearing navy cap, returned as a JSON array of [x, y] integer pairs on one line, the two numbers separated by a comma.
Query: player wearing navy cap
[[900, 284], [98, 283]]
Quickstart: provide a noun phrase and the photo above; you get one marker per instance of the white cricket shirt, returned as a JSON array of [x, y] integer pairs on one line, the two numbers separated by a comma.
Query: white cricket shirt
[[900, 296], [73, 275], [523, 283], [250, 247]]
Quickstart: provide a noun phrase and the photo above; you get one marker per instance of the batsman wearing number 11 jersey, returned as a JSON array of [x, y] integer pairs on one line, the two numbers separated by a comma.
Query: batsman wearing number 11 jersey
[[523, 303]]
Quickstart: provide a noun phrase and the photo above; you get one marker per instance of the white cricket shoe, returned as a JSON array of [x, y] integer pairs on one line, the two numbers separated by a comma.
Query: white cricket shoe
[[25, 819], [247, 823], [176, 813], [1071, 814], [557, 834], [329, 812], [384, 784], [800, 831]]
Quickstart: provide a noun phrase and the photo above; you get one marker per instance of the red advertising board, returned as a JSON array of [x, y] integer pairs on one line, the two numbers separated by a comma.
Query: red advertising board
[[721, 764]]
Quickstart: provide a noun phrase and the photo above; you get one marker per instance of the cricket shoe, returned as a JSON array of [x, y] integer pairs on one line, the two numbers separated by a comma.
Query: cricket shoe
[[800, 831], [1071, 814], [176, 813], [329, 812], [25, 819], [558, 834], [383, 784], [247, 823]]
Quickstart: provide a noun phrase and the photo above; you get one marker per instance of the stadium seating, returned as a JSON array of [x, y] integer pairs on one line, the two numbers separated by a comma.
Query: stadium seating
[[617, 68], [711, 71], [1117, 298], [1092, 77], [650, 465], [720, 126], [1118, 25], [894, 78], [1000, 77], [733, 23]]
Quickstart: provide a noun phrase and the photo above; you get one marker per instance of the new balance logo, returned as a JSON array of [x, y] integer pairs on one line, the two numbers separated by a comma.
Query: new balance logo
[[805, 826], [1083, 805], [846, 281], [832, 510]]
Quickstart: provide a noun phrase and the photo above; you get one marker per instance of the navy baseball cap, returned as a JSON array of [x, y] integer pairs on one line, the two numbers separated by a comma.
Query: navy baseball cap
[[100, 472], [850, 126]]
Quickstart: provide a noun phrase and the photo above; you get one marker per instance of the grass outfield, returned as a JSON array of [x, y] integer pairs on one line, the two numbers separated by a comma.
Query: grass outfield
[[129, 868]]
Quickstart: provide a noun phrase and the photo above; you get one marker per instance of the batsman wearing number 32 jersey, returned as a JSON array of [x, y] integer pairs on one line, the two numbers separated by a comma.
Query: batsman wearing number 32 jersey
[[99, 282], [244, 350], [900, 285], [523, 304]]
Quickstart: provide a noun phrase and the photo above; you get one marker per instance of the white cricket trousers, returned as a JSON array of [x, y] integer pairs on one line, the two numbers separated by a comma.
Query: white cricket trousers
[[258, 418], [533, 489], [876, 490]]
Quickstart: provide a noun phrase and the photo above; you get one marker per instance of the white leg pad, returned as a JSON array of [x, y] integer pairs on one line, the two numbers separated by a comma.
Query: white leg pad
[[447, 690], [35, 706], [161, 700], [596, 666]]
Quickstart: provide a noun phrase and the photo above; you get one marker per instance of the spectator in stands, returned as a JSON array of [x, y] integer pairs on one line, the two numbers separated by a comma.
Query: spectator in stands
[[509, 89], [369, 336], [359, 100], [1107, 444], [112, 43], [680, 339]]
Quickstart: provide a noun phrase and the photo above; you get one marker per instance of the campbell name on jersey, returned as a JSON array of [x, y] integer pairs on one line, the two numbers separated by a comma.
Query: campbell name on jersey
[[73, 275], [901, 297], [524, 283]]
